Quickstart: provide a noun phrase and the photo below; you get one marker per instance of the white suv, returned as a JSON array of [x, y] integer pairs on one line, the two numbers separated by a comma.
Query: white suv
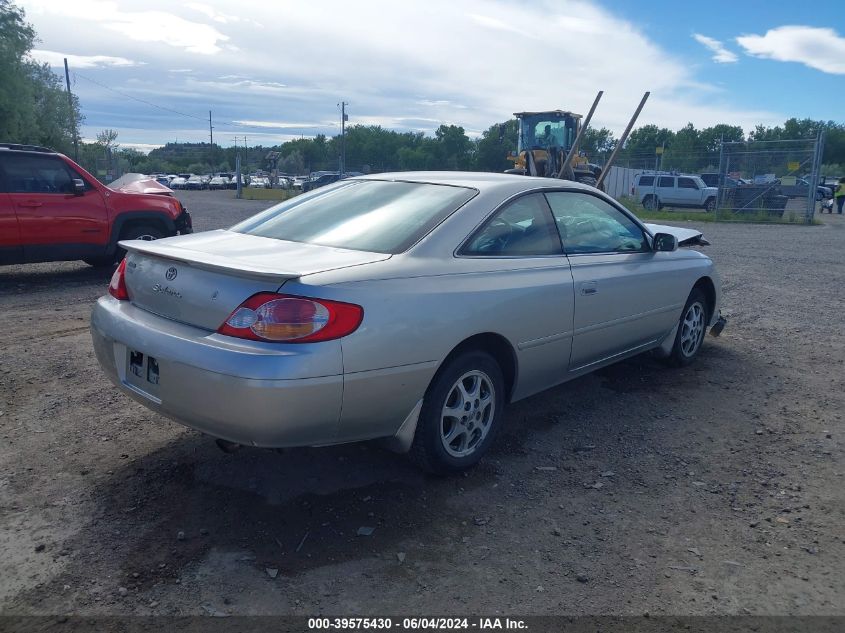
[[655, 191]]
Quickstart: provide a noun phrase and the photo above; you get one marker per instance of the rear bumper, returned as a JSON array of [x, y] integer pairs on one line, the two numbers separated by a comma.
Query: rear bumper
[[249, 393]]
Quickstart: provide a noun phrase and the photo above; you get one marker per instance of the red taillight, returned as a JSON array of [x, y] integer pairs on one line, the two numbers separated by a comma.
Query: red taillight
[[268, 316], [117, 285]]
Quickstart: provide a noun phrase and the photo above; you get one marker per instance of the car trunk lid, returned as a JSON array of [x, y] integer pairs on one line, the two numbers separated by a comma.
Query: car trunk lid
[[199, 279]]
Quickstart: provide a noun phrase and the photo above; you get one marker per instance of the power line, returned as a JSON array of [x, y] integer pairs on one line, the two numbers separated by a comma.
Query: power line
[[144, 101], [163, 108]]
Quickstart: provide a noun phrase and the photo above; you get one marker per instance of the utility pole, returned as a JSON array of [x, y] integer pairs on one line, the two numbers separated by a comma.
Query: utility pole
[[211, 138], [343, 119], [246, 154], [72, 118]]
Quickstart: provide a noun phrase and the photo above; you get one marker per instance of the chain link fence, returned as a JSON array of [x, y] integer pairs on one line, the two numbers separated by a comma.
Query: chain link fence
[[766, 180]]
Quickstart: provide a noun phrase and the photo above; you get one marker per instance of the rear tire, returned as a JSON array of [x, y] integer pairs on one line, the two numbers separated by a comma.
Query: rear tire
[[692, 326], [461, 414], [651, 203]]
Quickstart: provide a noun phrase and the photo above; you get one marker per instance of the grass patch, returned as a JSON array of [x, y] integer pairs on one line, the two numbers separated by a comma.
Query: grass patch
[[719, 215], [252, 193]]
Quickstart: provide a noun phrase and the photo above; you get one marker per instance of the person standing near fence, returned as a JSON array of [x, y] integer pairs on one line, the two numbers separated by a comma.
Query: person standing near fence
[[840, 196]]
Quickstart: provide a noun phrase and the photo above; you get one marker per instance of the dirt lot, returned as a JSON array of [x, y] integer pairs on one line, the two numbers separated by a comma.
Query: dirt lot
[[714, 489]]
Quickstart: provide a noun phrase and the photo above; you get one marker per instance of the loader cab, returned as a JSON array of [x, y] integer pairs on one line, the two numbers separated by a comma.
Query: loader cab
[[540, 130]]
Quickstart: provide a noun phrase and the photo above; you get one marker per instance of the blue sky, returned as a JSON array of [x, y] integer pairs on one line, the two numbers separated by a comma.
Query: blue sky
[[277, 70], [790, 87]]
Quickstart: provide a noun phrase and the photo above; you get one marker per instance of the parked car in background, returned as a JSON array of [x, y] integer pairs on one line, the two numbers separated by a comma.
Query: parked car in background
[[51, 209], [164, 180], [320, 181], [800, 187], [218, 182], [259, 182], [655, 191], [195, 182], [178, 183], [711, 179], [329, 323]]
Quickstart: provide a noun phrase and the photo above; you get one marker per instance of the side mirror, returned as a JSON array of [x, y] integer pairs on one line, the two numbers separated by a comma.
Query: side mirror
[[665, 242], [78, 186]]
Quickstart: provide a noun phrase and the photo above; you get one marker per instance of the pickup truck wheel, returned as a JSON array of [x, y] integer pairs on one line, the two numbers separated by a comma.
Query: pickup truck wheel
[[710, 205], [651, 203], [461, 414], [691, 329]]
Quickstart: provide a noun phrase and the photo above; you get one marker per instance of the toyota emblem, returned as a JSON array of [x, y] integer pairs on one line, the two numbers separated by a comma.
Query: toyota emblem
[[171, 273]]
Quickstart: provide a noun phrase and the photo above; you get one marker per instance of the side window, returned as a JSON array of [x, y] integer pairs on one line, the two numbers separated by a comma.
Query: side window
[[520, 229], [588, 224], [686, 183], [666, 181], [37, 174], [646, 181]]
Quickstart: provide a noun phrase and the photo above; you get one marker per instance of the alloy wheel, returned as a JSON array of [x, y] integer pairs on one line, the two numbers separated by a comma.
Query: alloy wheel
[[467, 414]]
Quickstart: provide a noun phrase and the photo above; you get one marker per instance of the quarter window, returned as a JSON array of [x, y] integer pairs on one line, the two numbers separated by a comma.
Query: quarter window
[[522, 228], [666, 181], [646, 181], [588, 224]]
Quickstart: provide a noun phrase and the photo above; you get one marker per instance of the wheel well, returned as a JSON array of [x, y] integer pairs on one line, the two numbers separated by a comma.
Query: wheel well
[[499, 348], [151, 221], [705, 284]]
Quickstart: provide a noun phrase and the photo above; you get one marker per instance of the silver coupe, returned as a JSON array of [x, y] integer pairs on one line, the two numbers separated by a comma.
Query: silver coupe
[[410, 306]]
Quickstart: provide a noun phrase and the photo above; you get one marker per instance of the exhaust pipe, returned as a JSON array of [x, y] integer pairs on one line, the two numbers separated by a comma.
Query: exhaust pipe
[[226, 446]]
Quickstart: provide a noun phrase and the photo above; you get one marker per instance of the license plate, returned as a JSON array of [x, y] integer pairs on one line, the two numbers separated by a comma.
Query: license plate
[[142, 372]]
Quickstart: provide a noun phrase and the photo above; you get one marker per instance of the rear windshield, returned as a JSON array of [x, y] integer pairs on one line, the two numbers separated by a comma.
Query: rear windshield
[[365, 215]]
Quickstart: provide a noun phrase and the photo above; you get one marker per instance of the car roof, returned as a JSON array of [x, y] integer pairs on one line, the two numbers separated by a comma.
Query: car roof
[[483, 181], [33, 149]]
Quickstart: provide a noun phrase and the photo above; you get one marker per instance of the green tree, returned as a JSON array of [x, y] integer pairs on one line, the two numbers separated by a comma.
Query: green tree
[[494, 146], [34, 108]]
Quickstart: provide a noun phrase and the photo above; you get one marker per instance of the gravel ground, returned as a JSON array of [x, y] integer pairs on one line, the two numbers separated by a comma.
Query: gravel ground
[[716, 489]]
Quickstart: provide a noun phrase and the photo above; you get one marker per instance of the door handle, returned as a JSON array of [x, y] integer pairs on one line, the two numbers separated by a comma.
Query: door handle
[[32, 204], [589, 288]]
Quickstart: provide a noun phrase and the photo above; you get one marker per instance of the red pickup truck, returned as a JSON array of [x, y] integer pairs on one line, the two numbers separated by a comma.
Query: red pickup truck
[[53, 210]]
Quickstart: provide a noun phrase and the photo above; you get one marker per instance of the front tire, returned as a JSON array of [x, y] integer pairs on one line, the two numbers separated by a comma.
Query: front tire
[[691, 329], [146, 232], [461, 414], [710, 205]]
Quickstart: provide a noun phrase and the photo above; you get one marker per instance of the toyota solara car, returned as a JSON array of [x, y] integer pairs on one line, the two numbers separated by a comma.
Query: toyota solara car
[[411, 307]]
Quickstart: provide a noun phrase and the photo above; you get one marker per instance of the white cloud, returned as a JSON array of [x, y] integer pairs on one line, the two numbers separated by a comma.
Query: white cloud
[[491, 58], [721, 54], [141, 26], [55, 58], [279, 125], [819, 48]]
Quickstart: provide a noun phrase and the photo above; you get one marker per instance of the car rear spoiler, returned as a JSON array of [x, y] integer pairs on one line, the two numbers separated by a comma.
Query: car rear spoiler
[[206, 261], [685, 237]]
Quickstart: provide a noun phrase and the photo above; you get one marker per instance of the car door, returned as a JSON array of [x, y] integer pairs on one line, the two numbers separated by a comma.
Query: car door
[[519, 253], [666, 190], [688, 193], [620, 302], [54, 221], [10, 235]]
